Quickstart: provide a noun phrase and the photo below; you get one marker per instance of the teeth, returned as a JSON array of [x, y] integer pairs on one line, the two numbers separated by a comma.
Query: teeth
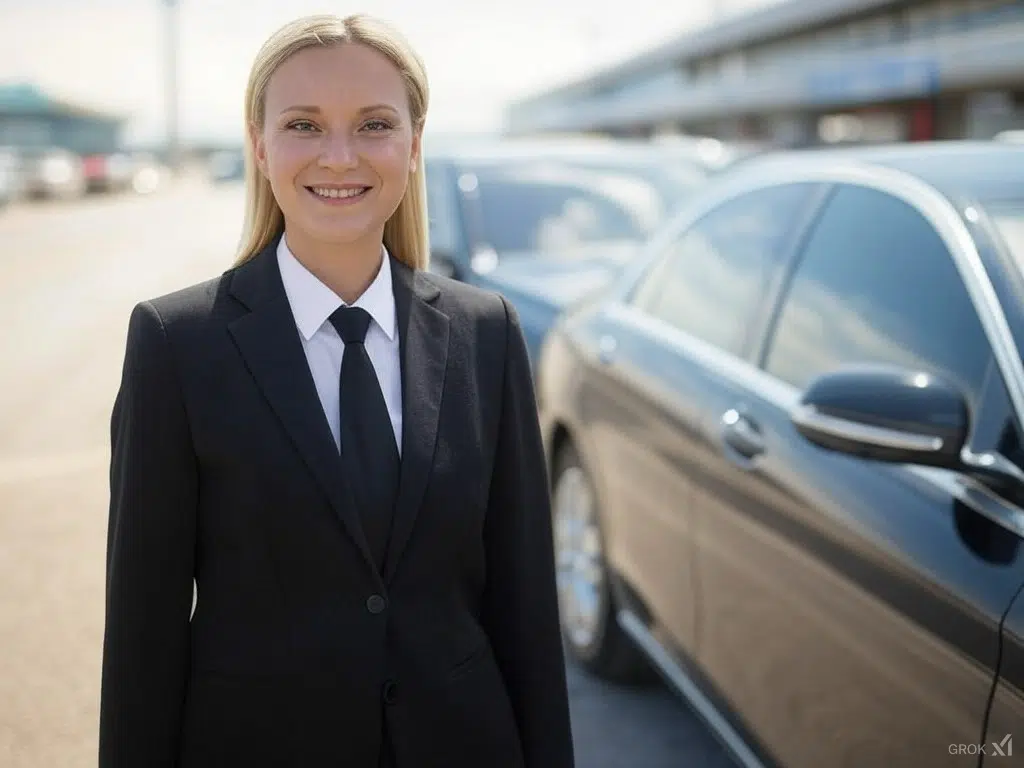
[[324, 192]]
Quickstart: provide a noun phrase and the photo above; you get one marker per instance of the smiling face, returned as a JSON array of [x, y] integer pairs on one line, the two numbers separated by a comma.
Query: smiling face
[[337, 144]]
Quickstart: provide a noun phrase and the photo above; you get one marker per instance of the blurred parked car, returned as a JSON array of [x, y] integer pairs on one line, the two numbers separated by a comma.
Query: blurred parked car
[[10, 176], [53, 173], [226, 166], [713, 153], [787, 451], [122, 172], [148, 173], [107, 172], [547, 222], [1012, 136]]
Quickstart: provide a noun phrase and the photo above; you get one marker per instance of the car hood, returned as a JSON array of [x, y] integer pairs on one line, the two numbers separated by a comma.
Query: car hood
[[560, 279]]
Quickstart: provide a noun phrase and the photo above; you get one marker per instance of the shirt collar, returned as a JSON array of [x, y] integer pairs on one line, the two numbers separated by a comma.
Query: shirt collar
[[313, 303]]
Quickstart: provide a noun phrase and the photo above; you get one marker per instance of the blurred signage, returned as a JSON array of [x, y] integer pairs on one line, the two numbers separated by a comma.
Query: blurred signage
[[875, 78]]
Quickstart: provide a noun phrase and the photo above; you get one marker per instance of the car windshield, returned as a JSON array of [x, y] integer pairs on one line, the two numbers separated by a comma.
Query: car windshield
[[559, 205], [1008, 217]]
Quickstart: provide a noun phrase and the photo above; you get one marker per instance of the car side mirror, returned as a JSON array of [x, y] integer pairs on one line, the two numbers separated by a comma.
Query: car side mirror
[[886, 414]]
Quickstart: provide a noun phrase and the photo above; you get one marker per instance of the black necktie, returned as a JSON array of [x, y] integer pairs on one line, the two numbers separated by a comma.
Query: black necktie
[[368, 448]]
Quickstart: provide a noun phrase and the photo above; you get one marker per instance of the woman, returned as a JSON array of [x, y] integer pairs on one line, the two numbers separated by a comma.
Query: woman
[[341, 450]]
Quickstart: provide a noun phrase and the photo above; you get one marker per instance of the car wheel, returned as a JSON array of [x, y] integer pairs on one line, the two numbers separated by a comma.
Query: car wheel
[[587, 609]]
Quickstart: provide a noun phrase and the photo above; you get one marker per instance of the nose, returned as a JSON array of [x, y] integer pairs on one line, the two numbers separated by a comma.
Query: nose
[[337, 152]]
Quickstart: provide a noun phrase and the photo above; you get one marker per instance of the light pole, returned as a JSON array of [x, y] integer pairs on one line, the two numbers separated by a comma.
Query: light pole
[[171, 94]]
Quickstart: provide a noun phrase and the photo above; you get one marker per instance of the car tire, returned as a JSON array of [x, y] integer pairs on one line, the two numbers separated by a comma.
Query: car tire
[[591, 633]]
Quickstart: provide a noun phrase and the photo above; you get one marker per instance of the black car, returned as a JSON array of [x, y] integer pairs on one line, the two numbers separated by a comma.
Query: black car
[[548, 221], [787, 463]]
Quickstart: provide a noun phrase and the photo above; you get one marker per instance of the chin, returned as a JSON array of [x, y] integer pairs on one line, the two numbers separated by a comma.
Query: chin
[[347, 235]]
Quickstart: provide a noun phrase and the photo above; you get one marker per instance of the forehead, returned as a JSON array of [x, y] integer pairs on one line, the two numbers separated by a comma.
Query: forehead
[[349, 74]]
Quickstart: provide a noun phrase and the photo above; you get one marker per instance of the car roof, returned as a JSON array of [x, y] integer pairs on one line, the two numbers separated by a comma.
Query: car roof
[[957, 169], [480, 151]]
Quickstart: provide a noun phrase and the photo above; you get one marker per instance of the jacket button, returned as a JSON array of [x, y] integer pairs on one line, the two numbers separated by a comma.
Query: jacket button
[[390, 692], [375, 604]]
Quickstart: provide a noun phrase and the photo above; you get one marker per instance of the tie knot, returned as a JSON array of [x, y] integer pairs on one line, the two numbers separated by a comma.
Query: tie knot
[[351, 323]]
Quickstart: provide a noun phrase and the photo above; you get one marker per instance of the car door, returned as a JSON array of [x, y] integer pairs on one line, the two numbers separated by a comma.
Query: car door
[[644, 399], [851, 609]]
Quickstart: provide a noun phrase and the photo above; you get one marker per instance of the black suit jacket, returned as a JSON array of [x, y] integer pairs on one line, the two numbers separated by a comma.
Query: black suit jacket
[[300, 653]]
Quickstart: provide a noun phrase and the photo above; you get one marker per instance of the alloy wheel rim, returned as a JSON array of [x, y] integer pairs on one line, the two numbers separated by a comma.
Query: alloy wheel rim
[[579, 559]]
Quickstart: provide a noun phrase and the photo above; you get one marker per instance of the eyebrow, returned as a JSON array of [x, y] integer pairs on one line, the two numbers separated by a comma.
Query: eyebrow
[[317, 110]]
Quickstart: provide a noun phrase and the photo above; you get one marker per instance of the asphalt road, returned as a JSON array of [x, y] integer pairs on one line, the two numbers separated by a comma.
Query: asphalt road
[[69, 275]]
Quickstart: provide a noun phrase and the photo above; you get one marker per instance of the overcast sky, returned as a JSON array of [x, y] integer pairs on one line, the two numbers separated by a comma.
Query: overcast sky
[[479, 55]]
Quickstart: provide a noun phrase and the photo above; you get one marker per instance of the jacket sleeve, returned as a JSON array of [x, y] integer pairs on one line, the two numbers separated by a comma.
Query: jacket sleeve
[[521, 603], [150, 556]]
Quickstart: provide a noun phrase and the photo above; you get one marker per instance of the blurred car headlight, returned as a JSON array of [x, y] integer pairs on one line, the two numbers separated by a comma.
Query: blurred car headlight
[[57, 170], [146, 181]]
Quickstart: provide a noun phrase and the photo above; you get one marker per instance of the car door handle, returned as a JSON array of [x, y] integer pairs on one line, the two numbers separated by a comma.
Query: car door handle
[[742, 434]]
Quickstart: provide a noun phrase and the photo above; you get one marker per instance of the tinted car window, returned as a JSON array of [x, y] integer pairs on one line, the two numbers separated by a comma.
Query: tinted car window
[[995, 426], [441, 210], [548, 205], [709, 281], [876, 284]]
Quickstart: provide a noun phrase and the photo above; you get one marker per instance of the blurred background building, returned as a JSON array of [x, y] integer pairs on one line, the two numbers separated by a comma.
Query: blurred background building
[[29, 117], [808, 72]]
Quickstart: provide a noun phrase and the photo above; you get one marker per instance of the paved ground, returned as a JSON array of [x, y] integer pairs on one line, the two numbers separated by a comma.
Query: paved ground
[[69, 275]]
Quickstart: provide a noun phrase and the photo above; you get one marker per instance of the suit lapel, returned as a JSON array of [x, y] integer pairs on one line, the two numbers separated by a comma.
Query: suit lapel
[[423, 335], [269, 342]]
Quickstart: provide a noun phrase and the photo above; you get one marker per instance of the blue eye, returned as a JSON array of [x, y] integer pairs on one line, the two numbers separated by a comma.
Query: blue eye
[[379, 125], [302, 126]]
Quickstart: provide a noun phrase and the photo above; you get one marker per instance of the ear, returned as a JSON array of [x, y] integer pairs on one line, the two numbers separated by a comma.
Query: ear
[[259, 147], [414, 157]]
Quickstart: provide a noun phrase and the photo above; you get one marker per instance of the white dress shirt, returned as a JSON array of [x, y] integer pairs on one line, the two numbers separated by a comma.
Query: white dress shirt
[[312, 304]]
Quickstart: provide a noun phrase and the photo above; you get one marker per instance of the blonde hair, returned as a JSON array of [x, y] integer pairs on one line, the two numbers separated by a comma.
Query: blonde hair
[[405, 233]]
